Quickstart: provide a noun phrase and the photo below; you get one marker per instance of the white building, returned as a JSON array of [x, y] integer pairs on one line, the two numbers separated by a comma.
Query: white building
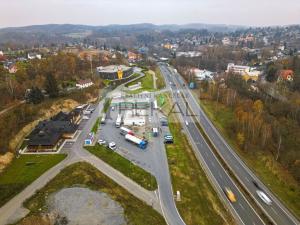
[[1, 53], [134, 117], [34, 56], [202, 74], [84, 83], [190, 54], [237, 69], [226, 41]]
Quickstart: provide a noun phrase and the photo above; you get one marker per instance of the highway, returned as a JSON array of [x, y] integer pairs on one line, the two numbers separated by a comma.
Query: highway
[[241, 209], [276, 212]]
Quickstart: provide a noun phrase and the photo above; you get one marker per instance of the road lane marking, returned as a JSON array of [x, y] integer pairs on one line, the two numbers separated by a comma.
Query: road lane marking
[[247, 179], [241, 206], [220, 175], [213, 164]]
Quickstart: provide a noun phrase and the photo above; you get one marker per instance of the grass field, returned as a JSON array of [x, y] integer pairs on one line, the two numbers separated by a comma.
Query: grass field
[[23, 171], [137, 174], [146, 82], [262, 163], [199, 202], [84, 175]]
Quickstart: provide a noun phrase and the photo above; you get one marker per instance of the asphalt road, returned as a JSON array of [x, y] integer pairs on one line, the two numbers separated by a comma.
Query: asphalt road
[[277, 212], [242, 210]]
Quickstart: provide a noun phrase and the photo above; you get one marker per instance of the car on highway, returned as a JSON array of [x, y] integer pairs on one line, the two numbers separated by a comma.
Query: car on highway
[[264, 197], [186, 123], [101, 142], [112, 145], [229, 194]]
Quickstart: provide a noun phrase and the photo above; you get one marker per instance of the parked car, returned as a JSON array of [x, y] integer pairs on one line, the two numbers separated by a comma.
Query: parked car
[[112, 146], [264, 197], [101, 142], [231, 197]]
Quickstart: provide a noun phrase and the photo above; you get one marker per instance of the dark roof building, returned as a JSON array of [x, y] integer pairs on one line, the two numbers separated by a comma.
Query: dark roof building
[[49, 134], [114, 72]]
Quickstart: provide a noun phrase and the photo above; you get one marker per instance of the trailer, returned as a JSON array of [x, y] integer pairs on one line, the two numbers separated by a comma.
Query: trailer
[[119, 120], [138, 141], [125, 130]]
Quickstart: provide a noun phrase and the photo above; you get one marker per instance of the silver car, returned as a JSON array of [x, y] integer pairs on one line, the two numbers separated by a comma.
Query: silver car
[[264, 197]]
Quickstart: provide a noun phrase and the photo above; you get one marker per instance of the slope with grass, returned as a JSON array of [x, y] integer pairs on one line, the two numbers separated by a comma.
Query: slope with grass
[[84, 175], [137, 174], [263, 164], [199, 202], [146, 83], [23, 171]]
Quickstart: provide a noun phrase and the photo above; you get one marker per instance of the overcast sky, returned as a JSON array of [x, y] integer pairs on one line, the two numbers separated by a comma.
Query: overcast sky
[[103, 12]]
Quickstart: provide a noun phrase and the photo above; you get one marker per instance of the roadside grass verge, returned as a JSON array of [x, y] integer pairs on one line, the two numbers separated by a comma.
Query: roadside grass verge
[[272, 174], [146, 83], [96, 126], [106, 105], [137, 174], [23, 171], [199, 202], [160, 82], [84, 175]]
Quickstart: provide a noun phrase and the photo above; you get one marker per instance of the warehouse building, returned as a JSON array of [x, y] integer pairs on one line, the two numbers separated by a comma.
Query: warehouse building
[[114, 72]]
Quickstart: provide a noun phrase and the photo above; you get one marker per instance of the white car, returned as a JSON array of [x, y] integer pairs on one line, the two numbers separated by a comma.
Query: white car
[[112, 146], [101, 142], [264, 197], [186, 123]]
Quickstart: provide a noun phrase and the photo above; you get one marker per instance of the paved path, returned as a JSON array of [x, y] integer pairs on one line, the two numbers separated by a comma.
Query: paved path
[[11, 107], [77, 153]]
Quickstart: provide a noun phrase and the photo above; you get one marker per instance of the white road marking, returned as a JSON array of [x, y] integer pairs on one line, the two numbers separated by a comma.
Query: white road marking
[[213, 164], [241, 206], [220, 175]]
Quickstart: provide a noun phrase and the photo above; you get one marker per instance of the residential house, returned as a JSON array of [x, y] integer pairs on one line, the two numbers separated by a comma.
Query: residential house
[[34, 56], [285, 75], [200, 75], [133, 57], [11, 67], [84, 83]]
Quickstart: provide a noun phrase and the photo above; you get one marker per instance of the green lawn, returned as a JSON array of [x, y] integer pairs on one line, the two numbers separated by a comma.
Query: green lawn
[[146, 82], [84, 175], [137, 174], [262, 163], [23, 171], [199, 202]]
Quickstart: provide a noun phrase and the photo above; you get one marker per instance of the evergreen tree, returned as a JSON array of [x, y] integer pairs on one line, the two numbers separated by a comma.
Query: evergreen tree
[[51, 86]]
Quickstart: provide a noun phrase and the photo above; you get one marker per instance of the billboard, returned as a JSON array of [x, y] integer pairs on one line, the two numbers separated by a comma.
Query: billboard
[[120, 74]]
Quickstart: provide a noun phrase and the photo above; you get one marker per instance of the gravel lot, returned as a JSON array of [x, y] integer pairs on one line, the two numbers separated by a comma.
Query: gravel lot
[[82, 206]]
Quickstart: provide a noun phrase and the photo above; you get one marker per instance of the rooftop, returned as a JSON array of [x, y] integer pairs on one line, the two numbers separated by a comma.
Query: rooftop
[[112, 68]]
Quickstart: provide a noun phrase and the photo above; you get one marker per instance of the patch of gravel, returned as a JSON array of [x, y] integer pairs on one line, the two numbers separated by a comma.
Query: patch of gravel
[[82, 206]]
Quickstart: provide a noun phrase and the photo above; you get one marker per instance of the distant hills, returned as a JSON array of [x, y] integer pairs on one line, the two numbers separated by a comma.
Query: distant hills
[[66, 32]]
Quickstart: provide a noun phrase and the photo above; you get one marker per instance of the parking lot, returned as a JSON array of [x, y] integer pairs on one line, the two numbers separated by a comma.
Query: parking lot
[[144, 158]]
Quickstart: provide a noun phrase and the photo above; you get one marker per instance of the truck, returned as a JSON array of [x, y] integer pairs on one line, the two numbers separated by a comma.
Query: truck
[[103, 117], [119, 121], [125, 130], [142, 143], [154, 131]]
